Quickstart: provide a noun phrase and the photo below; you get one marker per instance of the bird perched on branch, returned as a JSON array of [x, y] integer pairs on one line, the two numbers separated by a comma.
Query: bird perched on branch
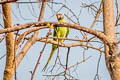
[[58, 32]]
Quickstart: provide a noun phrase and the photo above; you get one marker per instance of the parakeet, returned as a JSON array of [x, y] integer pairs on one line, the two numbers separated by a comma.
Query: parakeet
[[58, 32]]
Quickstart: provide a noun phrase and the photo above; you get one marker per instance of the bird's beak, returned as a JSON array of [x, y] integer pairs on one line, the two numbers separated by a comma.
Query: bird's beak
[[59, 17]]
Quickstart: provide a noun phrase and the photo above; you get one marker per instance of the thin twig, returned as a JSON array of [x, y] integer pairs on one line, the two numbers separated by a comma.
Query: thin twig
[[36, 33], [2, 38], [15, 55], [65, 72], [67, 57], [98, 65], [2, 56], [79, 62], [38, 61]]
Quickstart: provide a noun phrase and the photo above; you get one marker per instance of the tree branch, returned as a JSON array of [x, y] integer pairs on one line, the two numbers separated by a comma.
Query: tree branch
[[68, 45], [98, 34], [32, 40], [7, 1]]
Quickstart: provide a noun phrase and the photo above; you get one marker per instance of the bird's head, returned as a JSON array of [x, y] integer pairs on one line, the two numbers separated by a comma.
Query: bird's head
[[59, 16]]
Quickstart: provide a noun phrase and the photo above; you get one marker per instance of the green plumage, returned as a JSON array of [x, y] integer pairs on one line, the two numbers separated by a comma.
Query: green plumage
[[58, 32]]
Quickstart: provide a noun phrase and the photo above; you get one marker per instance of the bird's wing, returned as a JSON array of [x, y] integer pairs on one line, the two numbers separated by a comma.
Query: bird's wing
[[68, 30]]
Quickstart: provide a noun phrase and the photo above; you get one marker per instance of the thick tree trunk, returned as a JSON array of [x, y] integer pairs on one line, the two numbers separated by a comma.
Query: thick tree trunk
[[111, 50], [8, 72]]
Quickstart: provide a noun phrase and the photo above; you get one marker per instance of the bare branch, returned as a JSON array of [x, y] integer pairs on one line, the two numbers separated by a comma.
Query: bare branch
[[32, 40], [19, 27], [74, 26], [22, 36], [7, 1], [41, 52], [68, 45]]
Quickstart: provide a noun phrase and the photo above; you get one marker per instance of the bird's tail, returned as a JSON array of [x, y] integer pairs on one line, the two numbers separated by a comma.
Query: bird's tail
[[51, 54]]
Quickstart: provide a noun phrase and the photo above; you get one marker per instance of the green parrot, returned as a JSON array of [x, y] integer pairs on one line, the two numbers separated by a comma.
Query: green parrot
[[58, 32]]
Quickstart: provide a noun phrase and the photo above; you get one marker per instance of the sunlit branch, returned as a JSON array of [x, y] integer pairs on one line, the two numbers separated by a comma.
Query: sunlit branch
[[23, 35], [74, 26], [7, 1], [69, 45]]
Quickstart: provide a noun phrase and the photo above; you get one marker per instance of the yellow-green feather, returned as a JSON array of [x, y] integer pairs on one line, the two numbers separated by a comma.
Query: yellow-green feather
[[58, 32], [51, 54]]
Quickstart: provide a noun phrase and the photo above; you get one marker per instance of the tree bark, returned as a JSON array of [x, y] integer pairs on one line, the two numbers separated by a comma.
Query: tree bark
[[111, 50], [8, 72]]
